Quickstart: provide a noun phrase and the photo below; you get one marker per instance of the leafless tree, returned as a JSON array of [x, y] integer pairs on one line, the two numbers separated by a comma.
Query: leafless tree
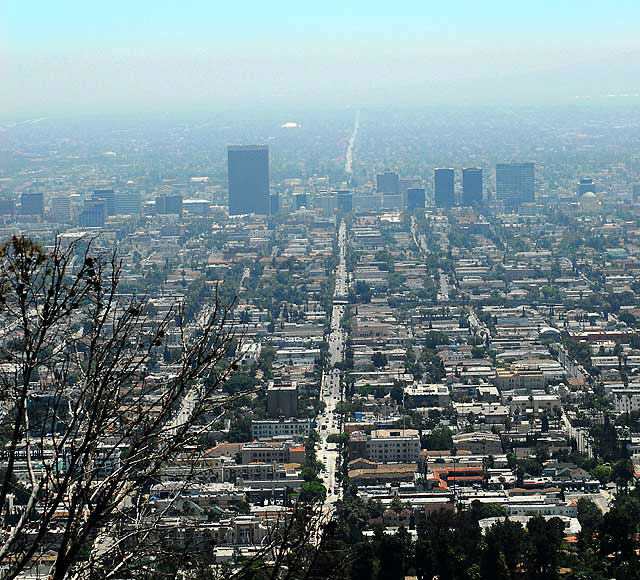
[[84, 431], [298, 545]]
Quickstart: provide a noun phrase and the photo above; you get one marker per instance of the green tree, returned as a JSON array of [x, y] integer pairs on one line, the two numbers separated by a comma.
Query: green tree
[[480, 510], [602, 473], [590, 518], [424, 560], [628, 318], [379, 359], [312, 492], [440, 438], [510, 539], [545, 422], [362, 563], [338, 438], [493, 562], [434, 338], [478, 352], [622, 473], [394, 555], [397, 393], [618, 531], [544, 543]]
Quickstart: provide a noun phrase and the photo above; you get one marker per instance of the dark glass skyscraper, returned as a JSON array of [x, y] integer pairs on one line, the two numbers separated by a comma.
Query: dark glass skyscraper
[[471, 186], [32, 204], [169, 204], [94, 214], [274, 204], [344, 200], [515, 183], [388, 182], [109, 198], [300, 200], [444, 187], [415, 198], [248, 179]]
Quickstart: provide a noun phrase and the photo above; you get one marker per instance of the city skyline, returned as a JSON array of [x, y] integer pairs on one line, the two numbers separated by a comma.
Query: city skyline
[[336, 290]]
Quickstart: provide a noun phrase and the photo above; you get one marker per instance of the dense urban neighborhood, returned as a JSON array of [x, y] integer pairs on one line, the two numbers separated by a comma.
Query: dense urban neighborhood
[[260, 369]]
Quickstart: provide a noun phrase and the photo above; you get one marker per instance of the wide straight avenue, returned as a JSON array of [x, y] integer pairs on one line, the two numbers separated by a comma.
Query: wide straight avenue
[[331, 389]]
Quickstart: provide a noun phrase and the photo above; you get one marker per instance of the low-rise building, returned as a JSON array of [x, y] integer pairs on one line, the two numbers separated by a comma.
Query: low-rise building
[[536, 403], [478, 443], [278, 428], [426, 395], [386, 445], [507, 380]]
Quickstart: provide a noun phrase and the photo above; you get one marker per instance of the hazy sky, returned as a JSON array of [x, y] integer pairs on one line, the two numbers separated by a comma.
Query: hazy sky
[[136, 55]]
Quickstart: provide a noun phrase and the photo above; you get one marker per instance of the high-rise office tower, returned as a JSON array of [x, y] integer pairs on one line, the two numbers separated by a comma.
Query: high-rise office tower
[[367, 202], [60, 208], [248, 167], [515, 183], [344, 200], [392, 201], [200, 207], [326, 201], [471, 186], [584, 185], [388, 182], [129, 203], [160, 204], [93, 214], [416, 198], [7, 207], [32, 204], [169, 204], [109, 198], [173, 204], [274, 204], [300, 200], [444, 187]]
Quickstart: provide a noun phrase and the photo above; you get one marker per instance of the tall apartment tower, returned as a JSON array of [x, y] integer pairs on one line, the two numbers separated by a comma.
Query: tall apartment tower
[[388, 182], [282, 400], [444, 187], [32, 204], [416, 198], [515, 183], [248, 167], [471, 186]]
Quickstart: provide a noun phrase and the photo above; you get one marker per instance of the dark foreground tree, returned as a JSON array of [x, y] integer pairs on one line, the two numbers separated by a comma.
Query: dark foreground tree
[[84, 432]]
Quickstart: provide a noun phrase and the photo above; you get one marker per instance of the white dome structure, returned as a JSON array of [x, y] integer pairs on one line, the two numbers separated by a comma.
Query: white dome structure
[[589, 201]]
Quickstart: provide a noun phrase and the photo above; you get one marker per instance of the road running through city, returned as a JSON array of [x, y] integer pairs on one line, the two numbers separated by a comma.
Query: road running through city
[[330, 387]]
